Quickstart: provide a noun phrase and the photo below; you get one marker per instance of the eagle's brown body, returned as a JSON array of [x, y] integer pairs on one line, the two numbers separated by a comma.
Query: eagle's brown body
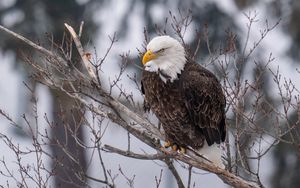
[[191, 108]]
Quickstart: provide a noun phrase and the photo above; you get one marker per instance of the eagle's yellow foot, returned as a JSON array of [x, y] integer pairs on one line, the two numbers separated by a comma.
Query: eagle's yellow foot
[[175, 147], [170, 144]]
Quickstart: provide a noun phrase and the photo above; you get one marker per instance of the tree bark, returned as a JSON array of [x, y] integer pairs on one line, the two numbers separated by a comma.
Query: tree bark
[[67, 118]]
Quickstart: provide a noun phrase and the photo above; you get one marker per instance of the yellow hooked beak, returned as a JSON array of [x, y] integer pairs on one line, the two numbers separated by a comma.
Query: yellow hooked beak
[[148, 56]]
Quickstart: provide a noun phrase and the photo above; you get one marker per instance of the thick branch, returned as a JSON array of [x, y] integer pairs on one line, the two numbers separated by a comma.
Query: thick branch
[[226, 176]]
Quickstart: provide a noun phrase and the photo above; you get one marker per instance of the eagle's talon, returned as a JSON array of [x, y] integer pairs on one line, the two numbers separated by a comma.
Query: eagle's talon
[[175, 147]]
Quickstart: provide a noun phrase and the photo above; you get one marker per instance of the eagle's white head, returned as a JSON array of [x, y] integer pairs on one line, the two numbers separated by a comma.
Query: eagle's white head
[[166, 56]]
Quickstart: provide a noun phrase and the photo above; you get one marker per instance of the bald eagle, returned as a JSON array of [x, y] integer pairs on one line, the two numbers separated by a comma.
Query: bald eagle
[[186, 98]]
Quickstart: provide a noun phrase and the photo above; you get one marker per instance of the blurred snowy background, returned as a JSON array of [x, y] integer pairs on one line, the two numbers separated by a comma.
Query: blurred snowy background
[[34, 18]]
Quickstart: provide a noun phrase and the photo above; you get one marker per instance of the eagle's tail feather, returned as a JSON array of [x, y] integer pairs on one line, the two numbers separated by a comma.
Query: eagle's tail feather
[[213, 153]]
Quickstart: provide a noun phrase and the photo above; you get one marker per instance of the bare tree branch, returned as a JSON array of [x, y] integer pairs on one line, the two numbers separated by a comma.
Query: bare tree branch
[[92, 96]]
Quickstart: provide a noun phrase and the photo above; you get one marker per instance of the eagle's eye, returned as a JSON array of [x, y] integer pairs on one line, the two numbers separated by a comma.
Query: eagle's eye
[[160, 50]]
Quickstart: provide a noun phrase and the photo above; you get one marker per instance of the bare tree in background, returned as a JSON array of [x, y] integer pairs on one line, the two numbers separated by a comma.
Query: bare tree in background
[[35, 14], [247, 141]]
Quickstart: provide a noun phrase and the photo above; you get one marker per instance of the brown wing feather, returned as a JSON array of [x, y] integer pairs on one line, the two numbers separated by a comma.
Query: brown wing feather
[[205, 102], [191, 109], [146, 105]]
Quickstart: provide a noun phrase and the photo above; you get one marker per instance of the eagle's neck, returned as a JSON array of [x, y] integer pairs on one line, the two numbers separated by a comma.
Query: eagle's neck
[[171, 68]]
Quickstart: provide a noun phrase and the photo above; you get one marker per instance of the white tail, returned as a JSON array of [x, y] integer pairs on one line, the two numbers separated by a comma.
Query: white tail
[[213, 153]]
